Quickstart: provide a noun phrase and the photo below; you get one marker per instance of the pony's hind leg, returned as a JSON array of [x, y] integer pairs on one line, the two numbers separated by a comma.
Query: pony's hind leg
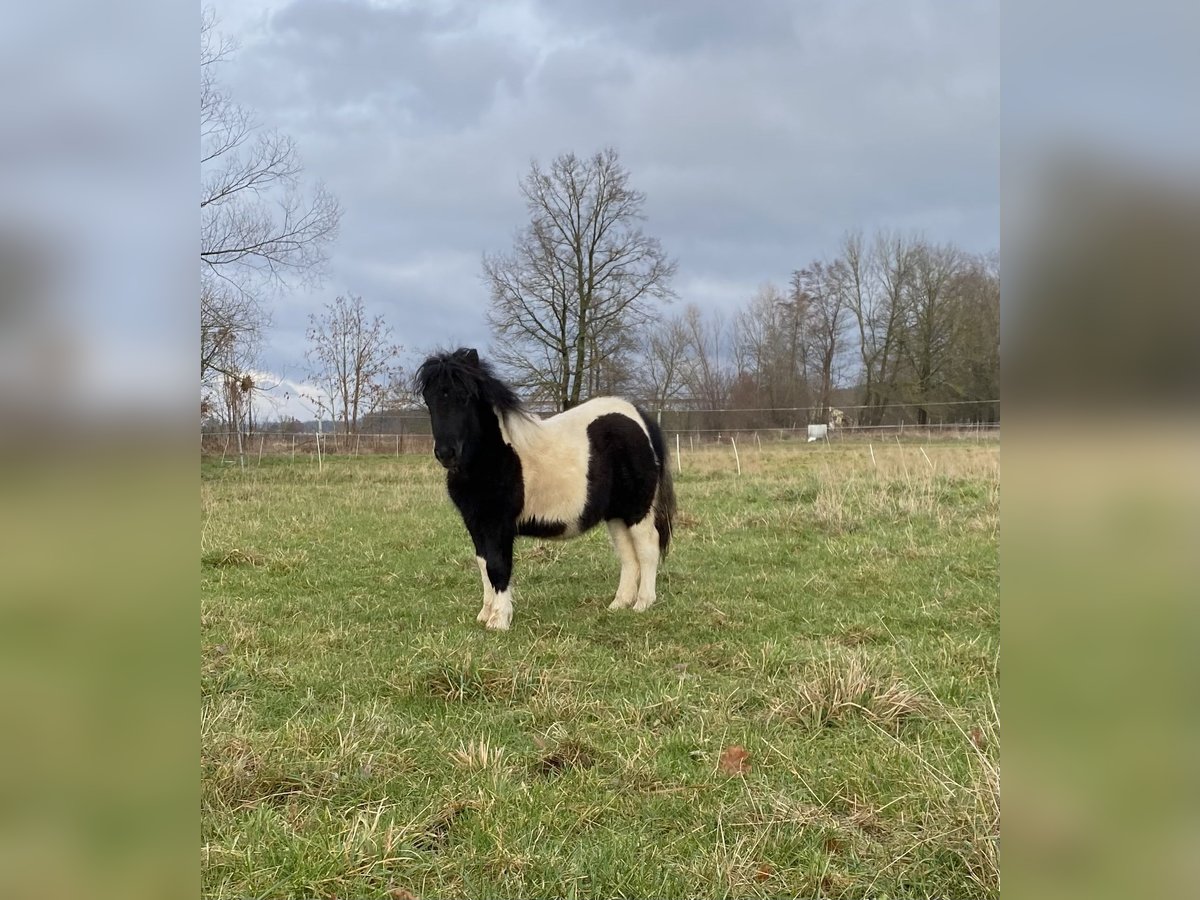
[[622, 542], [489, 595], [645, 545]]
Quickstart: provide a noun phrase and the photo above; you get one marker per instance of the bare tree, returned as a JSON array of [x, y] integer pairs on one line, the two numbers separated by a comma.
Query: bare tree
[[972, 372], [878, 280], [709, 375], [664, 359], [257, 227], [759, 345], [580, 275], [933, 316], [229, 385], [354, 359], [827, 289]]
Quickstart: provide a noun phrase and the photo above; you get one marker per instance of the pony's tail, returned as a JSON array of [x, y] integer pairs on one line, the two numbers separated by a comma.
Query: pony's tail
[[664, 499]]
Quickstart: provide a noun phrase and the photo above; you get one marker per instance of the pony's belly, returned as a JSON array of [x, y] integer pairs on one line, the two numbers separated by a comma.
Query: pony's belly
[[555, 485]]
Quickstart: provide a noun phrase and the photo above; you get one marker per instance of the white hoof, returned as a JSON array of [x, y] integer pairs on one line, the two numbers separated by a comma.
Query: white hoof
[[502, 610], [499, 622], [484, 614], [621, 603], [643, 604]]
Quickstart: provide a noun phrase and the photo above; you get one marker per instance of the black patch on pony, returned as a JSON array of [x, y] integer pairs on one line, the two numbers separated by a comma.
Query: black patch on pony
[[622, 472], [486, 484], [539, 528]]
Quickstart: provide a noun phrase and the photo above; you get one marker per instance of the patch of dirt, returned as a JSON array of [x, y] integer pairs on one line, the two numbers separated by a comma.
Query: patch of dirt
[[564, 756], [437, 830], [219, 559]]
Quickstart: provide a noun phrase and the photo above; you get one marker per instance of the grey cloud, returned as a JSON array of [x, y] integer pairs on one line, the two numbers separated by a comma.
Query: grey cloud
[[678, 26], [760, 132], [417, 67]]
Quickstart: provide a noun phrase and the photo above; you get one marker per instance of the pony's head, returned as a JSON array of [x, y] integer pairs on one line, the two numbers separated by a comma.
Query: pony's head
[[463, 396]]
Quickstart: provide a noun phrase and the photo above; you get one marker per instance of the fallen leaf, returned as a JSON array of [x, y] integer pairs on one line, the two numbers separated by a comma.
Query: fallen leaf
[[735, 761], [765, 871], [399, 893], [978, 738]]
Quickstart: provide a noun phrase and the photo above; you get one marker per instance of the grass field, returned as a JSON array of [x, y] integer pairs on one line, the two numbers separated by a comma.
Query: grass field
[[810, 709]]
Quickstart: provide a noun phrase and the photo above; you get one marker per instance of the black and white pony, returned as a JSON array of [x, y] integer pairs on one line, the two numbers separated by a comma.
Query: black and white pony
[[512, 473]]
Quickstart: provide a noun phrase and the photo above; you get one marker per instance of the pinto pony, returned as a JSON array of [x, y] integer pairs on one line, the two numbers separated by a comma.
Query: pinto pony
[[512, 473]]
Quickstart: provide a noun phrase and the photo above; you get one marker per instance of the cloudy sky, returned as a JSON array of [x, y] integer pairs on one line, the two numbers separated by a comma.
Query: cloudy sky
[[759, 130]]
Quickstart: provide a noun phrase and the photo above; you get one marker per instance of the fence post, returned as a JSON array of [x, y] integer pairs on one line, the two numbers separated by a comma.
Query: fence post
[[736, 458], [293, 448], [397, 446], [262, 439], [678, 456]]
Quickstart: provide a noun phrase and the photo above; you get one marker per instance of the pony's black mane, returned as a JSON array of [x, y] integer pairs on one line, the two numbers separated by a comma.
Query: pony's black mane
[[464, 368]]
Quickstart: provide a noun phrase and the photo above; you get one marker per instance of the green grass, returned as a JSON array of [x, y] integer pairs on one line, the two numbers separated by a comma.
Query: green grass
[[835, 615]]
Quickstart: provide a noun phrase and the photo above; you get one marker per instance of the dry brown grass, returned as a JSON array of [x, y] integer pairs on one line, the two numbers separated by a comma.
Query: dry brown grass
[[479, 755], [844, 688]]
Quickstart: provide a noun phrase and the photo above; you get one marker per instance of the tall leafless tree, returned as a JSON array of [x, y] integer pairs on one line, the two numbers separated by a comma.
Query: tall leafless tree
[[879, 279], [258, 227], [663, 362], [354, 359], [934, 312], [827, 288], [973, 369], [580, 274], [708, 372], [759, 346]]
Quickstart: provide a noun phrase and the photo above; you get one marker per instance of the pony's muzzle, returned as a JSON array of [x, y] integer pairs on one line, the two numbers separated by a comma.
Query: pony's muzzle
[[447, 456]]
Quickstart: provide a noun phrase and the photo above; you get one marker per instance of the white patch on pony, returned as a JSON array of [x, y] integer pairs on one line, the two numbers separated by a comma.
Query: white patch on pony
[[622, 543], [502, 611], [489, 593], [554, 458]]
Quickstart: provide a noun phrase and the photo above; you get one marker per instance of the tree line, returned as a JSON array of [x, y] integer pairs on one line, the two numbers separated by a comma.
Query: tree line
[[891, 324], [890, 327]]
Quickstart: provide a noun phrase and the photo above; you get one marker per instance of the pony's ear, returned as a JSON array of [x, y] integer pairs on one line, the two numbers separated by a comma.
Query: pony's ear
[[471, 355]]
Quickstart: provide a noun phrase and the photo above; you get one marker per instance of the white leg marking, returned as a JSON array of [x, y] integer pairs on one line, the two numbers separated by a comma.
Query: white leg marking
[[645, 543], [622, 543], [489, 594], [502, 610]]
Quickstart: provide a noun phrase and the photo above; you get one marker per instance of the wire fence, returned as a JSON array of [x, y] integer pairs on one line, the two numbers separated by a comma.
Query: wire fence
[[253, 447]]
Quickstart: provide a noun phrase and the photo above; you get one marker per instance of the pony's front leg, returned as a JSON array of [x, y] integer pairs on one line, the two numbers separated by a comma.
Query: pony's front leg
[[489, 595], [498, 562]]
